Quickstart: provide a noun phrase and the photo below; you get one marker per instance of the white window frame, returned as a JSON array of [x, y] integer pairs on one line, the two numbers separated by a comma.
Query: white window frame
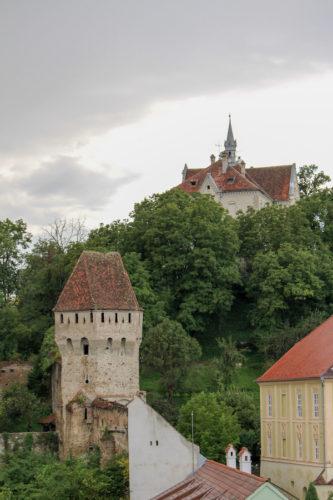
[[316, 449], [315, 404], [299, 404], [269, 405]]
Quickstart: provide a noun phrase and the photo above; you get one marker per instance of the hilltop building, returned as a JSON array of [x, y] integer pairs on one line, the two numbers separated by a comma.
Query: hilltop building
[[236, 187], [296, 409]]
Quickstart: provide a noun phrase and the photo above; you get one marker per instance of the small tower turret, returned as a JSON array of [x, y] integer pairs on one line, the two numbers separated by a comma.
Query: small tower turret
[[230, 145]]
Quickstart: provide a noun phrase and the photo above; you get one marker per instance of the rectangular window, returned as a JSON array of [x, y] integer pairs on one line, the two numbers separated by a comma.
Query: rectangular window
[[300, 448], [76, 318], [299, 405], [284, 447], [129, 317], [316, 449], [269, 446], [315, 404], [284, 404], [269, 405], [102, 317], [116, 317]]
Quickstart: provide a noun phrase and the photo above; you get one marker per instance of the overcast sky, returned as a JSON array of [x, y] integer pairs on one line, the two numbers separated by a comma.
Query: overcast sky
[[103, 101]]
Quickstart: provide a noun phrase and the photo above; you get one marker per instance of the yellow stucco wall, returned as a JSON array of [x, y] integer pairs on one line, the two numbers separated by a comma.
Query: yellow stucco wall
[[297, 437]]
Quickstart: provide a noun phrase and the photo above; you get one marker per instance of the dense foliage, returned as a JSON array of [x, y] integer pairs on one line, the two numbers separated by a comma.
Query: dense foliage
[[25, 474], [222, 298]]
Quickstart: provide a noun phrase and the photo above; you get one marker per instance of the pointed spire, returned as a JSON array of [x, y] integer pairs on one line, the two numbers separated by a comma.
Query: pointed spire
[[230, 144]]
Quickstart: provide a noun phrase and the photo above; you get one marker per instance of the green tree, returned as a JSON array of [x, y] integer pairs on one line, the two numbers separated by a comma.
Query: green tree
[[190, 246], [215, 425], [311, 180], [14, 239], [229, 358], [168, 349], [311, 494], [14, 334], [288, 284], [20, 410]]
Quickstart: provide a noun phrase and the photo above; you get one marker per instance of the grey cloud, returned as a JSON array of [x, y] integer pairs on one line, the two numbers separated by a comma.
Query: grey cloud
[[61, 184], [73, 68]]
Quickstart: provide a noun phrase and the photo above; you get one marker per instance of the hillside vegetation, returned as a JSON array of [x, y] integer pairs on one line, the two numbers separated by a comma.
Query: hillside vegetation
[[222, 297]]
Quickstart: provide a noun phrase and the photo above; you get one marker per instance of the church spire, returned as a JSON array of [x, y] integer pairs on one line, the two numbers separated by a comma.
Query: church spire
[[230, 145]]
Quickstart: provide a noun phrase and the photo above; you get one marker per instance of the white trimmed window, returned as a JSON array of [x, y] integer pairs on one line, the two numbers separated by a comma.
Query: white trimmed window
[[299, 405], [315, 404], [300, 447], [316, 449], [270, 405], [269, 446]]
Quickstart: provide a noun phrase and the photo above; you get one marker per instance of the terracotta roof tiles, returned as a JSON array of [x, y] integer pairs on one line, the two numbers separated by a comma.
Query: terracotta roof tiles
[[98, 281], [214, 481], [311, 357]]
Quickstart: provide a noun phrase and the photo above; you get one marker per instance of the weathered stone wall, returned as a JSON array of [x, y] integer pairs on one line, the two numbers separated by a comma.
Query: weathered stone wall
[[38, 441], [108, 369]]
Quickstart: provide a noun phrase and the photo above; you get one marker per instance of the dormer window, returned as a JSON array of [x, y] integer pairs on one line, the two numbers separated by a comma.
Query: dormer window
[[230, 180], [193, 183]]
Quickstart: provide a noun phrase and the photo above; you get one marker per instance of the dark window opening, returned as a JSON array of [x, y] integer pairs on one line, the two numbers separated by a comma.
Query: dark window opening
[[68, 321], [12, 370], [69, 345], [123, 345], [156, 443], [84, 319], [102, 317], [230, 180], [116, 317], [91, 317], [193, 183], [129, 317], [85, 346], [208, 187], [87, 381], [61, 318], [151, 443], [76, 318], [109, 344], [85, 414]]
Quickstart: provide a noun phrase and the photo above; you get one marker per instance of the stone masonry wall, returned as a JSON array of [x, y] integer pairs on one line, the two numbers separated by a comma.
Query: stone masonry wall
[[41, 442]]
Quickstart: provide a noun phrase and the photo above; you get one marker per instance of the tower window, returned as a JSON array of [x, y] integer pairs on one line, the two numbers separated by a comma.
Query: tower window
[[61, 318], [91, 317], [208, 187], [87, 381], [123, 345], [102, 317], [109, 344], [76, 318], [85, 346], [129, 317], [69, 345], [156, 443], [85, 414], [116, 317]]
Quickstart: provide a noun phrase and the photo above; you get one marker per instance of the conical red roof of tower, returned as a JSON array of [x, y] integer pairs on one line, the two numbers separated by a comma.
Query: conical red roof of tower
[[98, 281]]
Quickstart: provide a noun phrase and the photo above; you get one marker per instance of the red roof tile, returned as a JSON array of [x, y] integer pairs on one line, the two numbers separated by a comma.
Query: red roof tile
[[274, 182], [104, 404], [98, 281], [214, 481], [311, 357]]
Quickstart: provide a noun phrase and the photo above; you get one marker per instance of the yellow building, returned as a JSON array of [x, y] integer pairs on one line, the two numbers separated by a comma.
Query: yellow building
[[296, 409]]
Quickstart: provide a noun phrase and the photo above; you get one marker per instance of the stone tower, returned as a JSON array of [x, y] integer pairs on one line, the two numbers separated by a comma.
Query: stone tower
[[230, 145], [98, 330]]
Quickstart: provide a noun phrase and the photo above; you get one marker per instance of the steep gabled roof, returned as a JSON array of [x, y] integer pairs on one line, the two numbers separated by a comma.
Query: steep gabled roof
[[98, 281], [311, 357], [232, 180], [274, 180], [214, 481]]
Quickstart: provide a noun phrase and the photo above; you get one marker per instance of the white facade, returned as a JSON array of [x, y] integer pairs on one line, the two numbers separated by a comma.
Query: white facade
[[159, 457]]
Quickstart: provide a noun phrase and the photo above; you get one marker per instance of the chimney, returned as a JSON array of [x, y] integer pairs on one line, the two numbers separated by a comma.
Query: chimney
[[244, 457], [230, 453], [224, 160], [212, 159], [184, 172], [242, 166]]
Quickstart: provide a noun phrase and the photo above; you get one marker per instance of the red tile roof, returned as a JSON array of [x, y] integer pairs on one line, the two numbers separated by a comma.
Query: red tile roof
[[98, 281], [214, 481], [104, 404], [311, 357], [274, 182]]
